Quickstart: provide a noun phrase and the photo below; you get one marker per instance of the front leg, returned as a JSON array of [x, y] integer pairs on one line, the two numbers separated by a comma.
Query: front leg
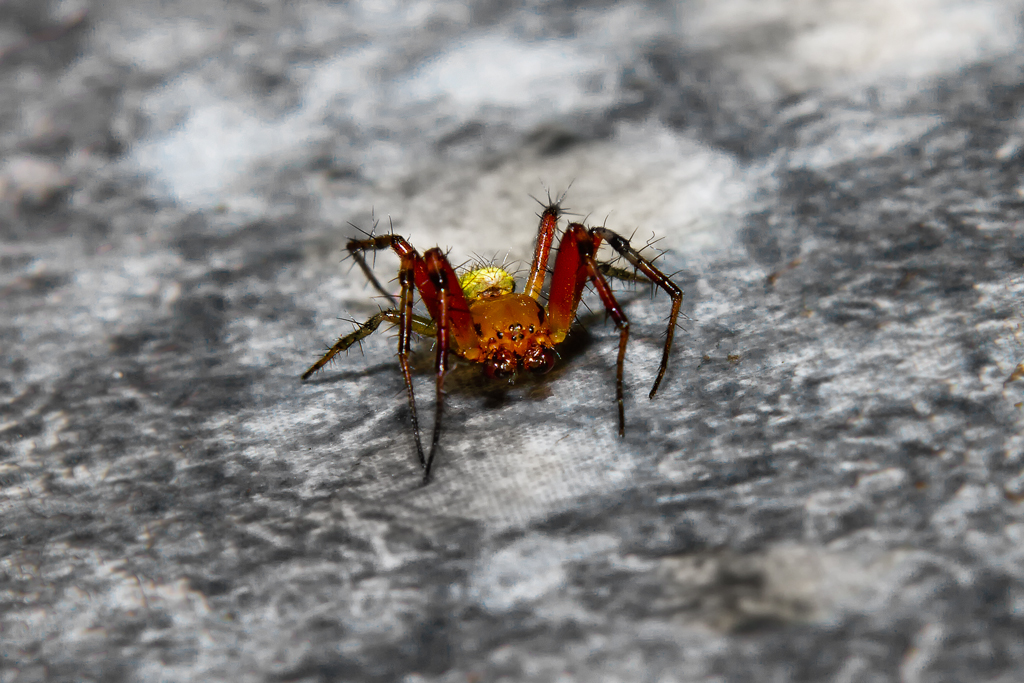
[[396, 243], [411, 271], [574, 266], [444, 297], [545, 237], [405, 279]]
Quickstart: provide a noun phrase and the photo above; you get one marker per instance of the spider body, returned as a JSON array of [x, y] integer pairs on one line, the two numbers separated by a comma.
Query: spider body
[[511, 336], [481, 318]]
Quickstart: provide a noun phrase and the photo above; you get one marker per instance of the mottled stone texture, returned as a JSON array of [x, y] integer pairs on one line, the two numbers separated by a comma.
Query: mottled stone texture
[[827, 488]]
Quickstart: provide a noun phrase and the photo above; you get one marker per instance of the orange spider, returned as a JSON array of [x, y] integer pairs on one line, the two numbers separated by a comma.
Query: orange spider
[[481, 318]]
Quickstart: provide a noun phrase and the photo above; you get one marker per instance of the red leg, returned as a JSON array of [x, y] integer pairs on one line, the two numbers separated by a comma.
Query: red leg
[[411, 265], [462, 321], [439, 288], [621, 245], [545, 236], [431, 282], [411, 262], [568, 279], [420, 280], [574, 265], [447, 303]]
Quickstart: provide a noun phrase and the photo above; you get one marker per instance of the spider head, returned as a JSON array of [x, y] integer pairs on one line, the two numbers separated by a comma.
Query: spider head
[[512, 336]]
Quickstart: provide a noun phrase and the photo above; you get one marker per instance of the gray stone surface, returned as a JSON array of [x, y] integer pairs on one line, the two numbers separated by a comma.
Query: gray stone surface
[[827, 488]]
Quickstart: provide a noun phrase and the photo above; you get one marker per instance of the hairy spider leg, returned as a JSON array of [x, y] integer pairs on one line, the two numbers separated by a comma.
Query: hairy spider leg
[[433, 276], [435, 270], [419, 325], [624, 274], [545, 237], [406, 277], [461, 329], [410, 270], [568, 279], [412, 274], [622, 246], [574, 266], [356, 249], [449, 308]]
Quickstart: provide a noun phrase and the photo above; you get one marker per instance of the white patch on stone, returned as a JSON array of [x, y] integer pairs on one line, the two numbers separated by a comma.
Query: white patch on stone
[[798, 45], [525, 571]]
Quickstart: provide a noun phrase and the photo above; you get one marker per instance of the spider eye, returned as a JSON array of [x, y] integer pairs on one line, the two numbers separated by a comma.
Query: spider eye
[[501, 365], [539, 359]]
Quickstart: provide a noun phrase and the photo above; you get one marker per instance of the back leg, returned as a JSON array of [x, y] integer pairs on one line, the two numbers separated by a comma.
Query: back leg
[[645, 266]]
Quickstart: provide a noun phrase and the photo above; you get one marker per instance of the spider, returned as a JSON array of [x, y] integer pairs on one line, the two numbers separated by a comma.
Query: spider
[[481, 318]]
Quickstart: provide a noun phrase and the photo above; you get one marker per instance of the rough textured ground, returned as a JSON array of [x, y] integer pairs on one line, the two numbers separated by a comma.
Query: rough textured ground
[[827, 488]]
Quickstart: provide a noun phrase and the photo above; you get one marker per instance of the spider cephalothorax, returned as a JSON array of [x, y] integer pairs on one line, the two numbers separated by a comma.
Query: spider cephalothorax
[[481, 317], [512, 333]]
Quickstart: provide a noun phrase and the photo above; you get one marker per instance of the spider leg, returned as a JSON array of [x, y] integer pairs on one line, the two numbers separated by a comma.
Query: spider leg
[[624, 274], [574, 265], [450, 309], [412, 274], [392, 241], [361, 332], [622, 246], [435, 271], [619, 317], [453, 326], [419, 324], [462, 330], [545, 236], [406, 278]]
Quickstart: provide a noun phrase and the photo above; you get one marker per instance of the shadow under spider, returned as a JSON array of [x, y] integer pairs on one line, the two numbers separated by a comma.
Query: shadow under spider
[[332, 375]]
